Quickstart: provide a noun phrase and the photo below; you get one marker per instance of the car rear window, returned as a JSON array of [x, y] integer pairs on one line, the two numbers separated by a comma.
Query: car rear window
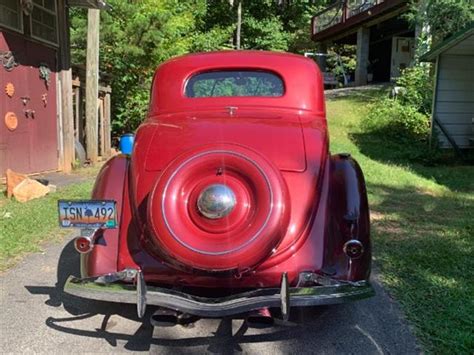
[[235, 83]]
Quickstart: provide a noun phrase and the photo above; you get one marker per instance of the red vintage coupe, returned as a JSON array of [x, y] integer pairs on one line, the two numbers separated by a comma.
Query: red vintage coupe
[[230, 202]]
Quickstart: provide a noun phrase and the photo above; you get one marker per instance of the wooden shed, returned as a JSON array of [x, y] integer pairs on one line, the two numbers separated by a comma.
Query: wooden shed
[[453, 99]]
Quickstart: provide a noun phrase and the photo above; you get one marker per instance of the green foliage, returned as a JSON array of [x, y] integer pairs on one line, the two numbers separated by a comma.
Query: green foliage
[[417, 91], [136, 36], [130, 112], [345, 63], [443, 17], [214, 39], [405, 119], [266, 33], [296, 18], [393, 119], [24, 226], [266, 25]]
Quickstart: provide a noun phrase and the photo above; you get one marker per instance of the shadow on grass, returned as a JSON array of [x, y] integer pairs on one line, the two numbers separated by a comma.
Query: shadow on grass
[[359, 94], [442, 167], [424, 246]]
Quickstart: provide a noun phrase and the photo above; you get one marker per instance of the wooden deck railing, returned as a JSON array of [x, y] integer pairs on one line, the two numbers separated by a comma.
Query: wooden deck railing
[[339, 11]]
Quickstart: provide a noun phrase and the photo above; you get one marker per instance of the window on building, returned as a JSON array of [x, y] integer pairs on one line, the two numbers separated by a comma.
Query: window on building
[[10, 15], [44, 21]]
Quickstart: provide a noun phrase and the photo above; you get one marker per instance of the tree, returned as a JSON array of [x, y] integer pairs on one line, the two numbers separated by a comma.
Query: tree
[[442, 18], [135, 37]]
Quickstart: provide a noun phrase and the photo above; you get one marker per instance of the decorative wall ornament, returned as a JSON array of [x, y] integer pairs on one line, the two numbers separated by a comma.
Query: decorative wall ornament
[[11, 121], [7, 59], [27, 6], [44, 98], [29, 113], [25, 100], [45, 73], [10, 89]]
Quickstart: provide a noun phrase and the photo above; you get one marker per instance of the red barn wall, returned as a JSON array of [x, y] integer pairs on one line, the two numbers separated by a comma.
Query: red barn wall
[[33, 146]]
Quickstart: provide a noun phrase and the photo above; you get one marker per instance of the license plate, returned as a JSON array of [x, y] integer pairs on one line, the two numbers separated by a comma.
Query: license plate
[[87, 214]]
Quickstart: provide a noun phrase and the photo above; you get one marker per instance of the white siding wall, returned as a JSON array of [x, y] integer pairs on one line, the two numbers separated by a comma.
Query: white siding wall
[[454, 105]]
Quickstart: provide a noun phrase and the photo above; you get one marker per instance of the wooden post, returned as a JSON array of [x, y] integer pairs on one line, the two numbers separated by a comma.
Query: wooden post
[[363, 43], [345, 11], [107, 128], [100, 103], [77, 113], [92, 83], [65, 78]]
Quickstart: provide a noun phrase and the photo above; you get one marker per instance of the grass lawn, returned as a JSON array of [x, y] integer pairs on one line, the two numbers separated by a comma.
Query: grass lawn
[[422, 227], [23, 226]]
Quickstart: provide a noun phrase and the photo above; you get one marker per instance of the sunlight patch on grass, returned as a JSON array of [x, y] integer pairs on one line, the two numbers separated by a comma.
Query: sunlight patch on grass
[[422, 232]]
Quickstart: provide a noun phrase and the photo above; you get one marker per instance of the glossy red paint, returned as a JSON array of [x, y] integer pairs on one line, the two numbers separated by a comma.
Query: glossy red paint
[[240, 240], [263, 146], [302, 78], [110, 184]]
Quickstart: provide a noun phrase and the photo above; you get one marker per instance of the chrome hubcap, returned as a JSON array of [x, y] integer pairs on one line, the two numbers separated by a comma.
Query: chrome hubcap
[[216, 201]]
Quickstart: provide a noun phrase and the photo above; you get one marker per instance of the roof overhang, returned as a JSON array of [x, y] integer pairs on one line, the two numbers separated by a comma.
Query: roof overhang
[[448, 43]]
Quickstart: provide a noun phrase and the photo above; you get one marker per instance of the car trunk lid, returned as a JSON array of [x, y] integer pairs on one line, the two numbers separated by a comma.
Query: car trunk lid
[[277, 136]]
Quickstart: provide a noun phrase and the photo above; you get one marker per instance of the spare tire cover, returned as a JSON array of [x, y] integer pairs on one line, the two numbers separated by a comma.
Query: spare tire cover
[[240, 240]]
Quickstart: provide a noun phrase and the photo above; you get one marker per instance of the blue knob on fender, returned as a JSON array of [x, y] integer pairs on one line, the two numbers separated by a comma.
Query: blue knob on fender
[[126, 143]]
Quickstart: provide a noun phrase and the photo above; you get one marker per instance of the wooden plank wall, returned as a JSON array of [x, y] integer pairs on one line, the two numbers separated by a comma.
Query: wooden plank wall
[[104, 120], [454, 106]]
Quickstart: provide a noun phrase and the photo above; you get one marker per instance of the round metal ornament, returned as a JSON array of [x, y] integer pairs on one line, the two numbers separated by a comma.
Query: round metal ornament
[[11, 121]]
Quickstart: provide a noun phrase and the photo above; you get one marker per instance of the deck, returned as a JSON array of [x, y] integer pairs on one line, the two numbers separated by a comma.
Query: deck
[[344, 16]]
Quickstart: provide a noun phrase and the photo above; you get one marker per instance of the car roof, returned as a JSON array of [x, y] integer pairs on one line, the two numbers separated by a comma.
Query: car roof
[[302, 78], [238, 53], [231, 56]]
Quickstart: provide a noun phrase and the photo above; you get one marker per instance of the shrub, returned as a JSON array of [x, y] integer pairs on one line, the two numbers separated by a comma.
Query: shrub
[[417, 88], [400, 132], [405, 116], [393, 119]]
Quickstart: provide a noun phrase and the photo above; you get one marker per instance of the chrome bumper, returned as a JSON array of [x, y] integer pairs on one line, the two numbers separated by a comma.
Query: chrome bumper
[[110, 288]]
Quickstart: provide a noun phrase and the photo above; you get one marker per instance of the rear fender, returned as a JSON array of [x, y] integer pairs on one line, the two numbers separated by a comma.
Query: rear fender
[[109, 185], [348, 219]]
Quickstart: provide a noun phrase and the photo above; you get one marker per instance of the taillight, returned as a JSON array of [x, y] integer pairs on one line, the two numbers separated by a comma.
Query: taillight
[[353, 249], [83, 244]]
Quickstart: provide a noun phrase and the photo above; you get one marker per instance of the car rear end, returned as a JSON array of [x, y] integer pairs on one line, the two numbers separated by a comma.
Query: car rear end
[[230, 202]]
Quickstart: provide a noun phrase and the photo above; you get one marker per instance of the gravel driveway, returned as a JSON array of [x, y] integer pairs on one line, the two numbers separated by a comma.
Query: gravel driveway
[[38, 317]]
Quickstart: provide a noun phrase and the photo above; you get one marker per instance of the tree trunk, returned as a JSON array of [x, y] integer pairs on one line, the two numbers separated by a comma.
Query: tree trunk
[[239, 25]]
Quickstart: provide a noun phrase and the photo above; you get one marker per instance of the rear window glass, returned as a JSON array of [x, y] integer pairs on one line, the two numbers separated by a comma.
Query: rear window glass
[[235, 83]]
